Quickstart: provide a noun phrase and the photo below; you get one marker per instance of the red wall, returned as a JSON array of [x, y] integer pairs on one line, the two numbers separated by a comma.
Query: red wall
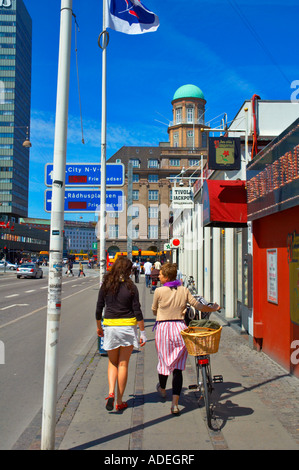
[[273, 329]]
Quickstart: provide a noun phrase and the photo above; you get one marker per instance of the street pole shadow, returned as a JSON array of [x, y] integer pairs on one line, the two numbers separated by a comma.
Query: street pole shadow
[[188, 405]]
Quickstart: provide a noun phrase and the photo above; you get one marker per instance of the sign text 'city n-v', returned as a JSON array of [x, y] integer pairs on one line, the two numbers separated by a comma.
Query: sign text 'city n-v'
[[88, 174]]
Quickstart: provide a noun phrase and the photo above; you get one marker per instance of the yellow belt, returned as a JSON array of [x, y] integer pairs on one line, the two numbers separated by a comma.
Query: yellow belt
[[120, 321]]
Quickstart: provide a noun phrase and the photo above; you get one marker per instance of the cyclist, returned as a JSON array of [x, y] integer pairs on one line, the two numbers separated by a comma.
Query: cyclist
[[169, 306]]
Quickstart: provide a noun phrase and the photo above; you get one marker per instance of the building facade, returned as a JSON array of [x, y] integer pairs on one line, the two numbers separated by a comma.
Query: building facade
[[15, 100], [80, 236], [251, 268], [156, 170]]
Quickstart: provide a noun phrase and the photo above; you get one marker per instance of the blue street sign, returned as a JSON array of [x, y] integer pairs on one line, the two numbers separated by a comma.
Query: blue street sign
[[88, 174], [84, 200]]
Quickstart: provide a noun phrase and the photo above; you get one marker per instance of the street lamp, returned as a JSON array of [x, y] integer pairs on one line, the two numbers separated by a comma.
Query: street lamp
[[26, 143]]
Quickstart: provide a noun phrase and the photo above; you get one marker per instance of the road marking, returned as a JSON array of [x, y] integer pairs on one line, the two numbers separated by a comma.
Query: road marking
[[41, 308], [12, 295], [27, 291], [14, 305]]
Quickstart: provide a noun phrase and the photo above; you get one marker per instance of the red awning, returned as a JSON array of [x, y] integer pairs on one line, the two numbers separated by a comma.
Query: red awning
[[224, 203]]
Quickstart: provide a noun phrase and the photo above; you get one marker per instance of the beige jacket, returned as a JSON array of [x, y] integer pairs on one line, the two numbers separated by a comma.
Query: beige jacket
[[171, 304]]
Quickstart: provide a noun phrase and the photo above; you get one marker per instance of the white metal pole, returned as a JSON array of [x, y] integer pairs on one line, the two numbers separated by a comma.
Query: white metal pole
[[103, 150], [56, 233]]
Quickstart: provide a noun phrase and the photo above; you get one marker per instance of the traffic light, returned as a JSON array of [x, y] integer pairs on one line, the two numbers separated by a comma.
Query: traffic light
[[5, 250]]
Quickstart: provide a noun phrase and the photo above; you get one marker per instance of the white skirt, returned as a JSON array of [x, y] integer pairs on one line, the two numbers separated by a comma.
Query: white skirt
[[116, 336]]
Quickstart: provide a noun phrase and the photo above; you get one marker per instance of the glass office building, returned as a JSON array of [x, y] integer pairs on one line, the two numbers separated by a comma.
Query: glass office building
[[15, 98]]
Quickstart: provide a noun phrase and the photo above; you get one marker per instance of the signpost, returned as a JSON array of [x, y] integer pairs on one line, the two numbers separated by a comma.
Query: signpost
[[87, 200], [88, 174]]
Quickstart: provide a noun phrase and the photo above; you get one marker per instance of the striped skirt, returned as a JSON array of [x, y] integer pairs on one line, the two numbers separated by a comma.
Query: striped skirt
[[171, 349]]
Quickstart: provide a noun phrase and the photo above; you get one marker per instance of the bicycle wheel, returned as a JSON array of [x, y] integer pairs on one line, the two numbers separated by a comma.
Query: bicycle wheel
[[207, 388]]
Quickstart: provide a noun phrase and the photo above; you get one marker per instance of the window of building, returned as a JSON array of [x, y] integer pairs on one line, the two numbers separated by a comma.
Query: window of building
[[135, 178], [135, 231], [135, 195], [203, 139], [153, 178], [176, 139], [113, 231], [153, 163], [153, 195], [153, 231], [174, 162], [190, 113], [114, 215], [193, 161], [134, 211], [178, 115], [135, 162], [173, 178], [153, 212]]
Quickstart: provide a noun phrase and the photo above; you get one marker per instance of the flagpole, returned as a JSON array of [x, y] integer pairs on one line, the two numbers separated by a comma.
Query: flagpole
[[105, 39]]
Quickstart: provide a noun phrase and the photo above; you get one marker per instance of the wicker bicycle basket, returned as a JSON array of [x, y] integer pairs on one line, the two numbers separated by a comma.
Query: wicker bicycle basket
[[200, 341]]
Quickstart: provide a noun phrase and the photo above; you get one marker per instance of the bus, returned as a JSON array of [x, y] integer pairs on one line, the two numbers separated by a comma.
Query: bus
[[43, 256], [80, 257], [139, 255]]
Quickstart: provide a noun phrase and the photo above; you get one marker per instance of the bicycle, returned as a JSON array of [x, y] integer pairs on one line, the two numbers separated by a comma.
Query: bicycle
[[191, 285], [193, 314], [201, 342]]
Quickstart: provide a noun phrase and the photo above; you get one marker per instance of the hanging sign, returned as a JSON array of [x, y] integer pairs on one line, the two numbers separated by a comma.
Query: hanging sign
[[224, 153], [182, 198]]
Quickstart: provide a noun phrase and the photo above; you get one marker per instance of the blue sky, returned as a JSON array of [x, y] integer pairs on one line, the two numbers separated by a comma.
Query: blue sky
[[231, 49]]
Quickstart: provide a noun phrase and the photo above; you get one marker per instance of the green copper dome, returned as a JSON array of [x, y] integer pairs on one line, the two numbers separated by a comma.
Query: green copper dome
[[188, 91]]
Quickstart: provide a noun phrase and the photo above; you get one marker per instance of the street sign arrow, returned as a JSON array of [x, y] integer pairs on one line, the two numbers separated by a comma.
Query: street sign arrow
[[87, 200], [88, 174]]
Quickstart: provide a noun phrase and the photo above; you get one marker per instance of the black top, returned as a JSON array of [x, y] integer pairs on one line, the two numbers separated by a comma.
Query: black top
[[124, 304]]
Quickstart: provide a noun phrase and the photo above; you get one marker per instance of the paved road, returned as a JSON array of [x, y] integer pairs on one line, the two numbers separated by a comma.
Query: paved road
[[23, 308]]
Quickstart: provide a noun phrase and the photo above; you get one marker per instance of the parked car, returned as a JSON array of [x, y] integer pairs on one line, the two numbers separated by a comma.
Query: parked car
[[29, 270], [8, 265]]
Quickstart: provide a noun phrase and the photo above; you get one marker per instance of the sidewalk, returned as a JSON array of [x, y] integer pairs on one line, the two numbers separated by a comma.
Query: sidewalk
[[257, 405]]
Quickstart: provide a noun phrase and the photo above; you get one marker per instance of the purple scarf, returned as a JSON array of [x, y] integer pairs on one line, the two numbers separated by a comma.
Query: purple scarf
[[175, 283]]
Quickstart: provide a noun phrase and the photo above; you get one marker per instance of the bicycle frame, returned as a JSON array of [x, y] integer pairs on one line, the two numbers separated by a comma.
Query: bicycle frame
[[206, 386]]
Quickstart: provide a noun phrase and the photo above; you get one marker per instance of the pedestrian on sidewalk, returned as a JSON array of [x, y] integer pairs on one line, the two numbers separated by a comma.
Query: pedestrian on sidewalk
[[120, 296], [169, 307], [147, 271], [69, 269], [136, 271], [81, 270]]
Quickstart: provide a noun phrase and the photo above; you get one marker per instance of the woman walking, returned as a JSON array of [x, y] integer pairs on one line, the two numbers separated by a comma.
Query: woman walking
[[122, 314], [169, 306]]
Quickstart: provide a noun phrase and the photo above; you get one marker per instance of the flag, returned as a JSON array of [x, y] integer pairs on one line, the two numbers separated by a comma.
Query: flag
[[130, 17]]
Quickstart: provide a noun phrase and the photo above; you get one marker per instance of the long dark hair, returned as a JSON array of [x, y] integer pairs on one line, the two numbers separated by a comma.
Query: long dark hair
[[120, 273]]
